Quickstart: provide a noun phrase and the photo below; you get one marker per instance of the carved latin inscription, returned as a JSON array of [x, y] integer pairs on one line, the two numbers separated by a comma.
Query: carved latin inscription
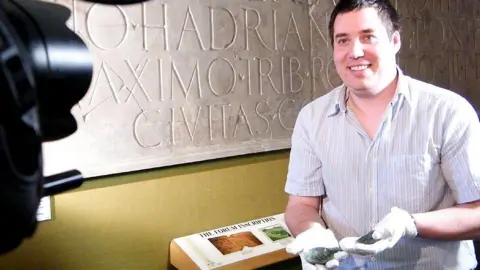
[[177, 81]]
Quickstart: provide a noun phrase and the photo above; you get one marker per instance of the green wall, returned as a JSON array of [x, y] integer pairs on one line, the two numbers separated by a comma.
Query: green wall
[[128, 221]]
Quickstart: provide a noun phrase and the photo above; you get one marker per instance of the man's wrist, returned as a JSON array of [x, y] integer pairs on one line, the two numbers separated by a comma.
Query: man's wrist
[[412, 229]]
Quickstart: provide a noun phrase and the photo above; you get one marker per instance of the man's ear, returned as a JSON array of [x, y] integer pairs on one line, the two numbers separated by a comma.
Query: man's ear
[[397, 41]]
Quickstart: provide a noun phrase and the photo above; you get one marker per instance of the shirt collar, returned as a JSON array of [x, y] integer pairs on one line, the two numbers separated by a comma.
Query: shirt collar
[[403, 89], [340, 97]]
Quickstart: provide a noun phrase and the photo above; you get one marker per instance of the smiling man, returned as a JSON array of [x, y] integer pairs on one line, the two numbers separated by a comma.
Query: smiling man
[[383, 152]]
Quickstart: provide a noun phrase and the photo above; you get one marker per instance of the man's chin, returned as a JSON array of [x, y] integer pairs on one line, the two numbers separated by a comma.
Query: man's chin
[[361, 86]]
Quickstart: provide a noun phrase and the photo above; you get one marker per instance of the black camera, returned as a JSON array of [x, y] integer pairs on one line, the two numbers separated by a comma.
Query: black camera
[[45, 70]]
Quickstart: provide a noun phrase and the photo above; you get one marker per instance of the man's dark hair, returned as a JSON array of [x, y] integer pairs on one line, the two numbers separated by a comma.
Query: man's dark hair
[[387, 13]]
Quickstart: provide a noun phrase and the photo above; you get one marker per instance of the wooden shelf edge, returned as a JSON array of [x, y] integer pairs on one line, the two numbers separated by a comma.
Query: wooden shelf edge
[[181, 261]]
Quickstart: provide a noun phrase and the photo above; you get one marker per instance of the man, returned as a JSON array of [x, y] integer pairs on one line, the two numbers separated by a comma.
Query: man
[[383, 152]]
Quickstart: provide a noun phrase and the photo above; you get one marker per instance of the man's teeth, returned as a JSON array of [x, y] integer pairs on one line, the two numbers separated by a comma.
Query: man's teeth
[[357, 68]]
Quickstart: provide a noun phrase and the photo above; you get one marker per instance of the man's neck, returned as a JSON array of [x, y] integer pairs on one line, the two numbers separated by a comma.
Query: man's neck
[[375, 102]]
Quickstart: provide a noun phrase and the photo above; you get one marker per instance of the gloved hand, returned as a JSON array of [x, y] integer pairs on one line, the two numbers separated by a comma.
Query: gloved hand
[[310, 240], [395, 225]]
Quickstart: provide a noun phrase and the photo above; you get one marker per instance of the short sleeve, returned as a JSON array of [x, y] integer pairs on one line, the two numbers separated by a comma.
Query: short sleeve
[[460, 152], [304, 177]]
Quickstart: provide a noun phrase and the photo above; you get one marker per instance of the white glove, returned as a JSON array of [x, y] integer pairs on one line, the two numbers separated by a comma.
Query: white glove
[[395, 225], [317, 236]]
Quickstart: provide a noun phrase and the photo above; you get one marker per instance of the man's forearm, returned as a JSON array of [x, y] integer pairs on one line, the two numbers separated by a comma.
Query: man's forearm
[[300, 218], [456, 223]]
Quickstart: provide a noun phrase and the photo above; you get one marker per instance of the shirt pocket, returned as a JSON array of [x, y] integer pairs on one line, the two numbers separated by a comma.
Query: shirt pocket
[[410, 168], [407, 182]]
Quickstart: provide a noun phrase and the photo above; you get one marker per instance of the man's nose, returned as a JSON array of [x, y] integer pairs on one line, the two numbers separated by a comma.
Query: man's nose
[[356, 49]]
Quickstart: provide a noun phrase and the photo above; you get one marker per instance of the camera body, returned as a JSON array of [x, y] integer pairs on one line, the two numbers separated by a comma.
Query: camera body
[[45, 70]]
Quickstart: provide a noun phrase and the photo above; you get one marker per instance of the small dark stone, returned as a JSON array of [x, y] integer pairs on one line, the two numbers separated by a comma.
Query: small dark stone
[[367, 239], [320, 255]]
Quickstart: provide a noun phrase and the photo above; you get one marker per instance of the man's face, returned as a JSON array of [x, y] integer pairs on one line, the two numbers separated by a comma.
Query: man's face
[[363, 52]]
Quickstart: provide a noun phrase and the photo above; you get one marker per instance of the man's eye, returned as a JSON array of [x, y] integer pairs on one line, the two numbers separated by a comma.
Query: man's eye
[[369, 37], [342, 41]]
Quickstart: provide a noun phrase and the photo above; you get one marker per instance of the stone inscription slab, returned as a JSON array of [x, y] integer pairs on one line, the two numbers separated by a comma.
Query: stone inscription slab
[[179, 81]]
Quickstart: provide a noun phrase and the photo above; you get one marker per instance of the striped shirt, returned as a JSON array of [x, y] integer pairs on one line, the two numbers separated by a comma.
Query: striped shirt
[[425, 157]]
